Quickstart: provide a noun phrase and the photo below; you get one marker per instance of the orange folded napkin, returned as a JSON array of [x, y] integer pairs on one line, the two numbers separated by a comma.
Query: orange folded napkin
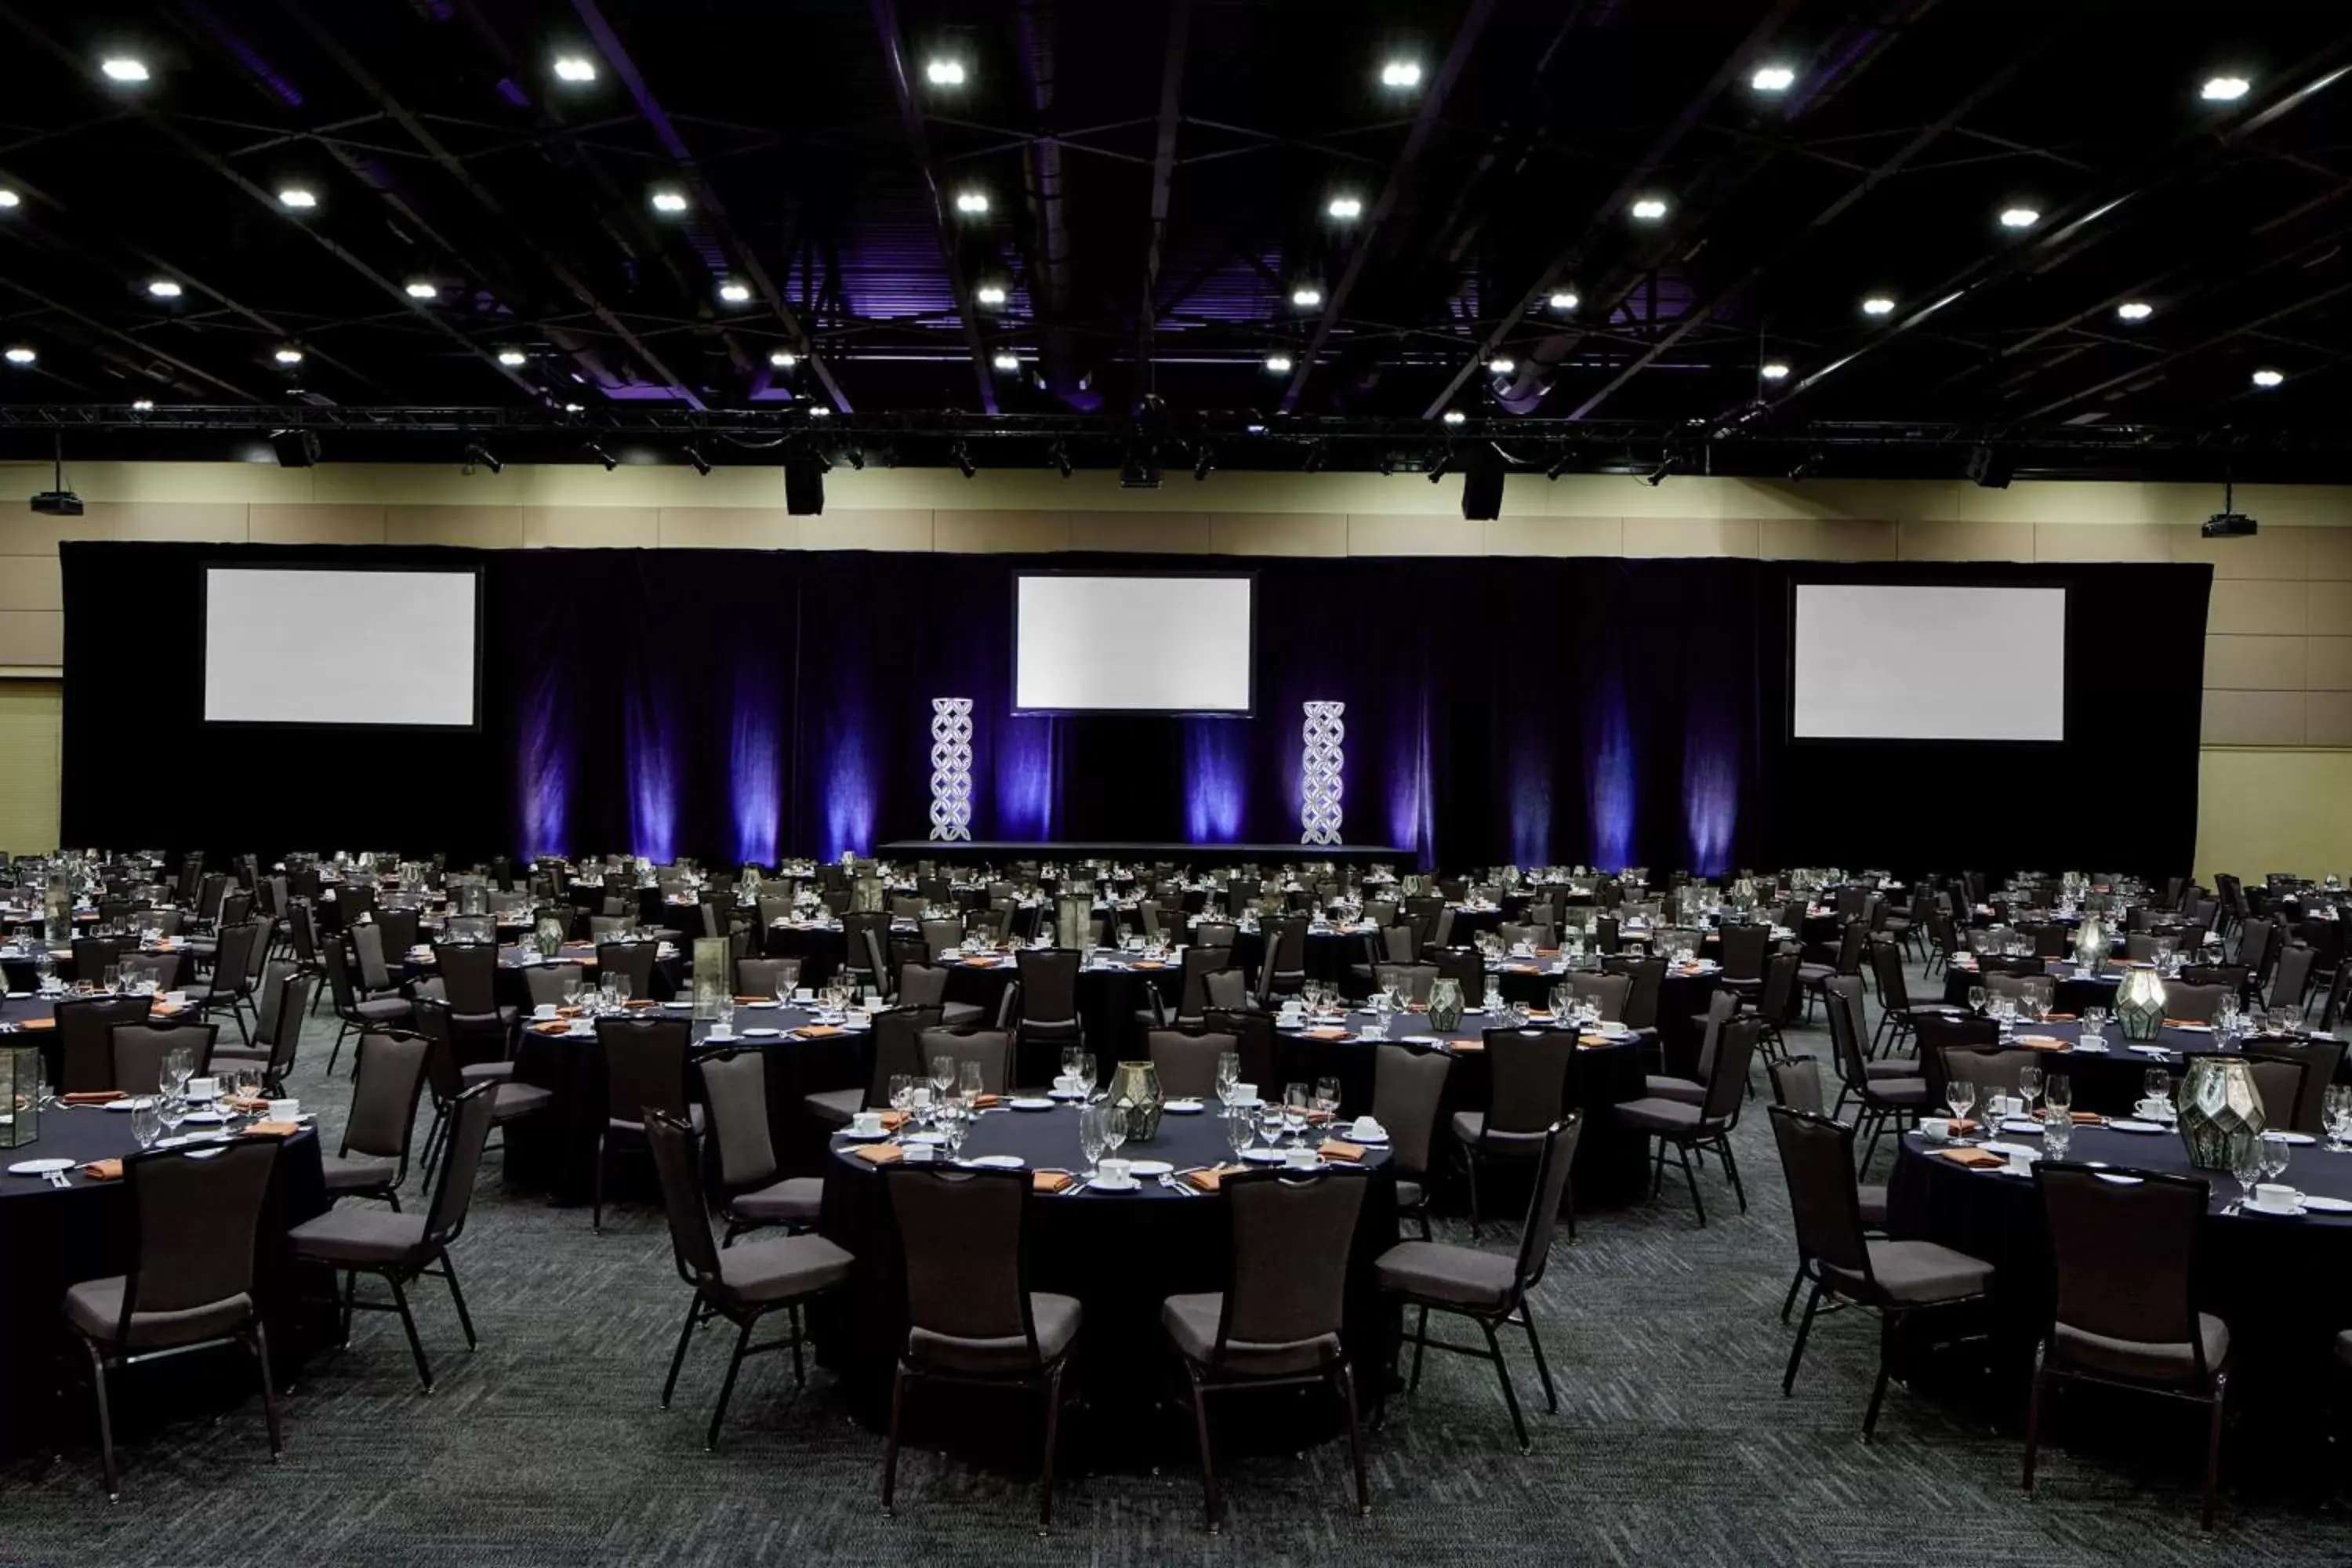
[[893, 1120], [1961, 1126], [1520, 968], [273, 1130], [880, 1154], [1594, 1042], [1538, 1014], [249, 1105], [1149, 963], [752, 1001], [1974, 1159], [1209, 1180], [982, 1102], [1050, 1181], [1416, 1007], [570, 1012], [92, 1097], [1458, 1046], [981, 961], [819, 1031], [39, 1024], [641, 1001], [2187, 1023], [1547, 952], [166, 1009], [1340, 1148], [2042, 1042], [103, 1170], [1327, 1032], [2086, 1119], [2058, 1017], [554, 1026]]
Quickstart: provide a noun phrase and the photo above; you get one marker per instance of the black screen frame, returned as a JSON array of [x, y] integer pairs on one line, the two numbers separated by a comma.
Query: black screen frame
[[205, 570], [1013, 650]]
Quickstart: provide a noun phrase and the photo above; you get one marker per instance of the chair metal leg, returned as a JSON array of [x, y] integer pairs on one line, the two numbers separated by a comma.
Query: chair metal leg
[[457, 1299], [2034, 1415], [2213, 1445], [1731, 1169], [1470, 1167], [898, 1383], [1804, 1328], [1690, 1178], [1789, 1305], [1658, 1176], [1052, 1440], [105, 1419], [1345, 1376], [1543, 1368], [408, 1321], [1201, 1430], [596, 1214], [726, 1388], [1510, 1395], [1420, 1344], [685, 1336], [269, 1388], [1888, 1326], [793, 1316]]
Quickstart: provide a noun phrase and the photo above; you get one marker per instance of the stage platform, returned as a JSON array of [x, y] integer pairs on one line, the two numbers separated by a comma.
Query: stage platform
[[966, 853]]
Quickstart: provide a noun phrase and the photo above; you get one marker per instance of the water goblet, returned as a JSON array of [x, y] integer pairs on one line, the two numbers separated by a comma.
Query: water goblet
[[1087, 1073], [2157, 1085], [1976, 998], [2058, 1094], [1115, 1127], [1092, 1123], [2275, 1155], [1960, 1094], [2246, 1164], [146, 1124], [943, 1075], [1270, 1124], [1241, 1130], [2056, 1136], [2029, 1087], [1326, 1096], [1229, 1073], [170, 1112], [968, 1082], [902, 1091]]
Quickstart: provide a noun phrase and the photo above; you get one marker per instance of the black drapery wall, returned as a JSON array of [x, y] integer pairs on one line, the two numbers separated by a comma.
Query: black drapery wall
[[737, 704]]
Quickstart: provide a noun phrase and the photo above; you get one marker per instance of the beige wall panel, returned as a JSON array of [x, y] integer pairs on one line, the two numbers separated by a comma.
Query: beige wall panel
[[2254, 664], [174, 522], [23, 531], [2273, 811], [592, 527], [1829, 538], [877, 529], [31, 583], [2254, 719], [2256, 606], [32, 637], [2328, 722], [477, 527], [727, 527], [2329, 668], [2330, 550], [2328, 609], [31, 719], [1956, 541], [2102, 542], [305, 523], [1278, 533], [1000, 533], [1175, 532], [1559, 535], [1397, 534], [2272, 553], [1681, 536]]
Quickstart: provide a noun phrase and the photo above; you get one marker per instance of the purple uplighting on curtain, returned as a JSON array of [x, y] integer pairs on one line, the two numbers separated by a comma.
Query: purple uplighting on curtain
[[755, 785], [1413, 808], [849, 787], [1530, 800], [651, 759], [1610, 785], [545, 767], [1710, 790], [1214, 766], [1026, 788]]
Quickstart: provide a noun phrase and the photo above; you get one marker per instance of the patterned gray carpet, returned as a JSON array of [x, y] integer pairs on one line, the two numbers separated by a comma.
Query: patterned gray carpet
[[1672, 1444]]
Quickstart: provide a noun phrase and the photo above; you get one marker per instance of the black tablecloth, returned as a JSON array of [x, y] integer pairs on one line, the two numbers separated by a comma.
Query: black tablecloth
[[1111, 994], [2112, 1081]]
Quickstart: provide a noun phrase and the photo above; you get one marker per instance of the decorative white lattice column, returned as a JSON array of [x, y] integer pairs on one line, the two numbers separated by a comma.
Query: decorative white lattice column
[[1320, 772], [951, 767]]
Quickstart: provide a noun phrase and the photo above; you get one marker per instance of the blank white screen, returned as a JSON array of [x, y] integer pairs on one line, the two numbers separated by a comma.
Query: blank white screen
[[1879, 662], [1177, 644], [289, 647]]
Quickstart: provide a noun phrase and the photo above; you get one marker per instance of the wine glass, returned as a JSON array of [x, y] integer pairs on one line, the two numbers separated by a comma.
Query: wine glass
[[1240, 1131], [1976, 998], [2058, 1094], [1070, 1060], [179, 1065], [1087, 1073], [1229, 1073], [902, 1093], [1296, 1101], [2246, 1164], [1270, 1124], [2157, 1085], [1960, 1094], [943, 1075], [1114, 1128], [1091, 1129], [2275, 1153], [146, 1124], [170, 1112], [969, 1084], [955, 1121], [1326, 1096], [2029, 1087]]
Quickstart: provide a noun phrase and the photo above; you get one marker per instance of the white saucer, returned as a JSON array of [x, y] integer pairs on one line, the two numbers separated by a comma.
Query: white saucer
[[1030, 1102], [143, 1103], [204, 1119], [932, 1138], [717, 1038], [39, 1167], [762, 1034], [1251, 1103], [2254, 1206], [759, 1004], [1263, 1156], [855, 1136], [678, 1004], [2318, 1204], [995, 1162], [2128, 1126], [1351, 1137], [2298, 1140], [1182, 1107], [1103, 1184], [1142, 1169], [1069, 1094]]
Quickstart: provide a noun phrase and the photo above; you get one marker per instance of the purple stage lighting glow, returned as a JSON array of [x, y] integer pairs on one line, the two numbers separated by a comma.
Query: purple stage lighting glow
[[1530, 803], [848, 798], [544, 776], [652, 779], [1609, 775], [1412, 807], [1213, 769], [756, 792], [1027, 781]]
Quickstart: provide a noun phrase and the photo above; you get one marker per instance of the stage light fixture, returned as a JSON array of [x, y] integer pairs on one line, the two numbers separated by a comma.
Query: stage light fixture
[[1317, 454], [783, 359], [2267, 378], [1878, 305], [944, 73], [1454, 417], [164, 289], [805, 485], [21, 353], [1808, 465], [1205, 462], [2134, 310], [1502, 364], [1058, 454], [1346, 209], [127, 69], [1307, 297], [819, 411], [572, 408], [1278, 363], [1773, 370], [1649, 209], [1140, 469], [1773, 78], [423, 289], [288, 356], [1563, 300], [574, 68], [142, 405], [1401, 74], [856, 456], [990, 293], [1989, 467], [9, 198], [1560, 465], [960, 455], [1388, 464], [297, 198], [602, 455], [667, 200], [695, 460], [2019, 217], [480, 456], [295, 449], [1435, 467], [735, 294], [2223, 88], [972, 204], [513, 357], [1008, 362], [1667, 466]]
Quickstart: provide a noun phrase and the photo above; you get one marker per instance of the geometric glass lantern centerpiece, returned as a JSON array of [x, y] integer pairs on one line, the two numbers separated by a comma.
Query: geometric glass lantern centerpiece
[[951, 768], [713, 979], [1322, 770], [20, 1098], [2091, 944], [2139, 1002], [2219, 1105]]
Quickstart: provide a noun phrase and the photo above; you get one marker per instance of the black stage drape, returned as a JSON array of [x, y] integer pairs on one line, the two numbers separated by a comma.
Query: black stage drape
[[745, 704]]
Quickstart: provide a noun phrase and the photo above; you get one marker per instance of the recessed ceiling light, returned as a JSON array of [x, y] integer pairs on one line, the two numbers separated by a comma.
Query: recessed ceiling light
[[1773, 78], [20, 354], [1400, 73], [9, 198], [2223, 88], [819, 411], [572, 408], [783, 359], [2019, 217], [1346, 207], [1564, 300], [971, 202], [300, 198], [512, 357], [990, 293], [2134, 310], [2267, 377], [735, 294], [669, 201], [142, 405], [1878, 305], [1504, 365], [124, 69], [1649, 209], [423, 289], [164, 289], [1454, 417], [1307, 297], [1279, 363], [1007, 361], [1773, 370], [944, 73], [574, 68], [288, 356]]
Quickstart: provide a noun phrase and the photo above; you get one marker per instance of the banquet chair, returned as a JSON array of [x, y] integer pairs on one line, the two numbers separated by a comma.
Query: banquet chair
[[941, 937], [735, 1088], [2015, 987], [2281, 1079], [1393, 944], [1277, 1323], [353, 900], [2123, 1259], [2331, 1011], [1690, 1129], [991, 1049], [1527, 1093], [190, 1286], [447, 1039], [602, 927], [547, 985], [926, 985], [483, 928], [1649, 978], [2192, 1004], [1742, 956], [1797, 1084], [1882, 1099], [286, 994], [1049, 993], [1466, 967], [632, 961], [231, 986], [1894, 1279], [1720, 1008], [1161, 923], [94, 955], [1776, 1002], [1284, 970], [1416, 979], [1961, 1032], [1609, 990], [1897, 1014], [644, 1066], [1408, 1089], [1254, 1037], [1489, 1288], [162, 970], [971, 1317], [2321, 1060], [401, 1249], [398, 929], [1991, 1071], [1187, 1061], [352, 1010], [469, 980], [1216, 933], [139, 1049], [772, 909], [1513, 932], [372, 1160], [894, 1034], [858, 952], [2291, 977], [767, 976], [1225, 989], [1852, 946], [85, 1031], [1192, 993]]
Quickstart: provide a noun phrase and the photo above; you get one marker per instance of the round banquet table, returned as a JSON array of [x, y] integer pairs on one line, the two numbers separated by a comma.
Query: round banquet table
[[1112, 988], [1121, 1254], [53, 1237], [1681, 1000], [819, 947], [2075, 992], [2112, 1081], [2281, 1284], [670, 968]]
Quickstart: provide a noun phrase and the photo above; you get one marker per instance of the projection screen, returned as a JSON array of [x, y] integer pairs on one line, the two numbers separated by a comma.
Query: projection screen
[[305, 646], [1879, 661], [1131, 644]]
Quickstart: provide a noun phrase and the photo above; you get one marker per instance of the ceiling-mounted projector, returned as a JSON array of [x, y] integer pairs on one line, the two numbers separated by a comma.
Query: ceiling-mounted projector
[[2229, 525], [58, 503]]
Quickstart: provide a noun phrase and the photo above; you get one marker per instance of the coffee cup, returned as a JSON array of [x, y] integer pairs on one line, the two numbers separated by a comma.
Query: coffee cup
[[285, 1109], [1115, 1171], [1366, 1128], [1937, 1129], [544, 1010], [176, 999], [2154, 1108], [1301, 1159], [920, 1154], [1244, 1093], [203, 1088], [2276, 1196], [867, 1123], [2021, 1161]]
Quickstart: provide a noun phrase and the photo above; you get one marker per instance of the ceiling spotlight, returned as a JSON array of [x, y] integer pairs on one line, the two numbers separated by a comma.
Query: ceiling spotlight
[[819, 411], [1773, 78], [479, 457], [1346, 207], [971, 203], [572, 408], [667, 200], [298, 198], [1058, 454], [2134, 310], [1503, 365], [9, 198], [1400, 73], [1563, 300], [512, 357], [1649, 209], [130, 68], [735, 294], [1279, 363], [2265, 377], [1205, 460], [1667, 466], [2223, 88], [783, 359], [288, 355], [944, 73], [601, 455], [1773, 370], [1007, 361], [2019, 217], [21, 354], [960, 455], [1878, 305], [1560, 464], [695, 459], [423, 289], [142, 405], [1454, 417], [574, 68], [1307, 297], [1317, 454], [990, 293], [164, 289]]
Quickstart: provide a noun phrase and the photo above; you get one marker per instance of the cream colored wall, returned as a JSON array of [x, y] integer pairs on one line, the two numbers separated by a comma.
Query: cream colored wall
[[30, 713], [2278, 646]]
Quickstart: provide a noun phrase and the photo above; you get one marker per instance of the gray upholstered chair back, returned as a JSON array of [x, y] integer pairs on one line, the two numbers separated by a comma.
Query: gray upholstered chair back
[[922, 986], [1188, 1062], [2280, 1079], [1845, 1032], [138, 1051], [690, 1240], [399, 928], [1609, 990], [896, 1032], [1408, 1087], [2291, 977], [1797, 1084], [735, 1088], [86, 1028], [1649, 978], [1817, 1160], [1552, 1169], [644, 1065], [383, 1102], [196, 1223], [1743, 950], [284, 1034], [603, 926], [94, 955], [1988, 1070], [959, 1237], [1780, 987], [161, 969], [1292, 1236], [1049, 985], [1397, 945], [367, 952], [1526, 1078], [469, 975], [547, 983], [2192, 1004], [991, 1049], [1416, 978], [767, 976], [1197, 963], [2122, 1252], [1288, 961], [1727, 1079], [1887, 966], [1720, 1007], [2016, 987], [634, 960], [1224, 988], [942, 937], [1216, 933]]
